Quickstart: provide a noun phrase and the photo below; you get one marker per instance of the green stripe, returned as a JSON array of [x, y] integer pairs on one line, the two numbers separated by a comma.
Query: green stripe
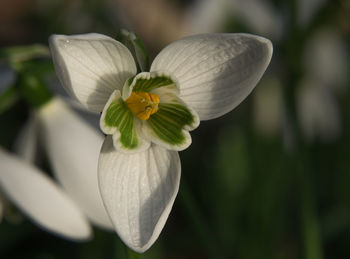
[[169, 122], [177, 112], [119, 116], [146, 85]]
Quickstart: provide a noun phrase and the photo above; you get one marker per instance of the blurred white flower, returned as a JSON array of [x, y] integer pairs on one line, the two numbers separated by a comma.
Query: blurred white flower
[[41, 199], [73, 149], [258, 15], [74, 158], [149, 114], [206, 16], [326, 63], [307, 10], [326, 60]]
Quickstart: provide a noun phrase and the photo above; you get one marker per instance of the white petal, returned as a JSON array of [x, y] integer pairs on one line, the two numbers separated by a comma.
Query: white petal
[[73, 148], [215, 71], [138, 191], [91, 66], [39, 198], [26, 142]]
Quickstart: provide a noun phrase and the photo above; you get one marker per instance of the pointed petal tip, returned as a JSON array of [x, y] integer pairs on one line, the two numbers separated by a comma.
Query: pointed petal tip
[[268, 46], [157, 228]]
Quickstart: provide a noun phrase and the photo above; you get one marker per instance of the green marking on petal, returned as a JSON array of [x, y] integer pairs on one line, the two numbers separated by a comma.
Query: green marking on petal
[[149, 84], [169, 122], [119, 116]]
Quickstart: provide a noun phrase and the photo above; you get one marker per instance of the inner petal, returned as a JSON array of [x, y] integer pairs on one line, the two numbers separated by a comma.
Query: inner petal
[[143, 104]]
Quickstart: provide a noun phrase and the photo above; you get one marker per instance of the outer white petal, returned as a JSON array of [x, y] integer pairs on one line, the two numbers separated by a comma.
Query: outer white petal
[[91, 66], [215, 71], [73, 148], [39, 198], [26, 142], [138, 191]]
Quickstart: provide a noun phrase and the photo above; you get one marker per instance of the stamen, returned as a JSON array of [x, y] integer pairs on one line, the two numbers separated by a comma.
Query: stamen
[[143, 104]]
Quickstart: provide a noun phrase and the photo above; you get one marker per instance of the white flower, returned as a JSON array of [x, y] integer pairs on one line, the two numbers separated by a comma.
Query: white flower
[[147, 117], [63, 210]]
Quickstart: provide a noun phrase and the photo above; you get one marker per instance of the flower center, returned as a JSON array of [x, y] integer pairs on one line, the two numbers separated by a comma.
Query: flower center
[[143, 104]]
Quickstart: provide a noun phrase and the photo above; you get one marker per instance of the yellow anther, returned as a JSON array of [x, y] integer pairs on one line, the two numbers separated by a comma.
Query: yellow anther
[[143, 104]]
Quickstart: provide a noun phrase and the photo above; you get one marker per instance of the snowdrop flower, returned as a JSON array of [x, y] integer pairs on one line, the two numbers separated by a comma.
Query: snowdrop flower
[[64, 210], [147, 116]]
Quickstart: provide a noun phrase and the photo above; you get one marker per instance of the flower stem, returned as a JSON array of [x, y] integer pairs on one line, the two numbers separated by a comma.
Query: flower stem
[[133, 255], [310, 225], [199, 224], [299, 155]]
